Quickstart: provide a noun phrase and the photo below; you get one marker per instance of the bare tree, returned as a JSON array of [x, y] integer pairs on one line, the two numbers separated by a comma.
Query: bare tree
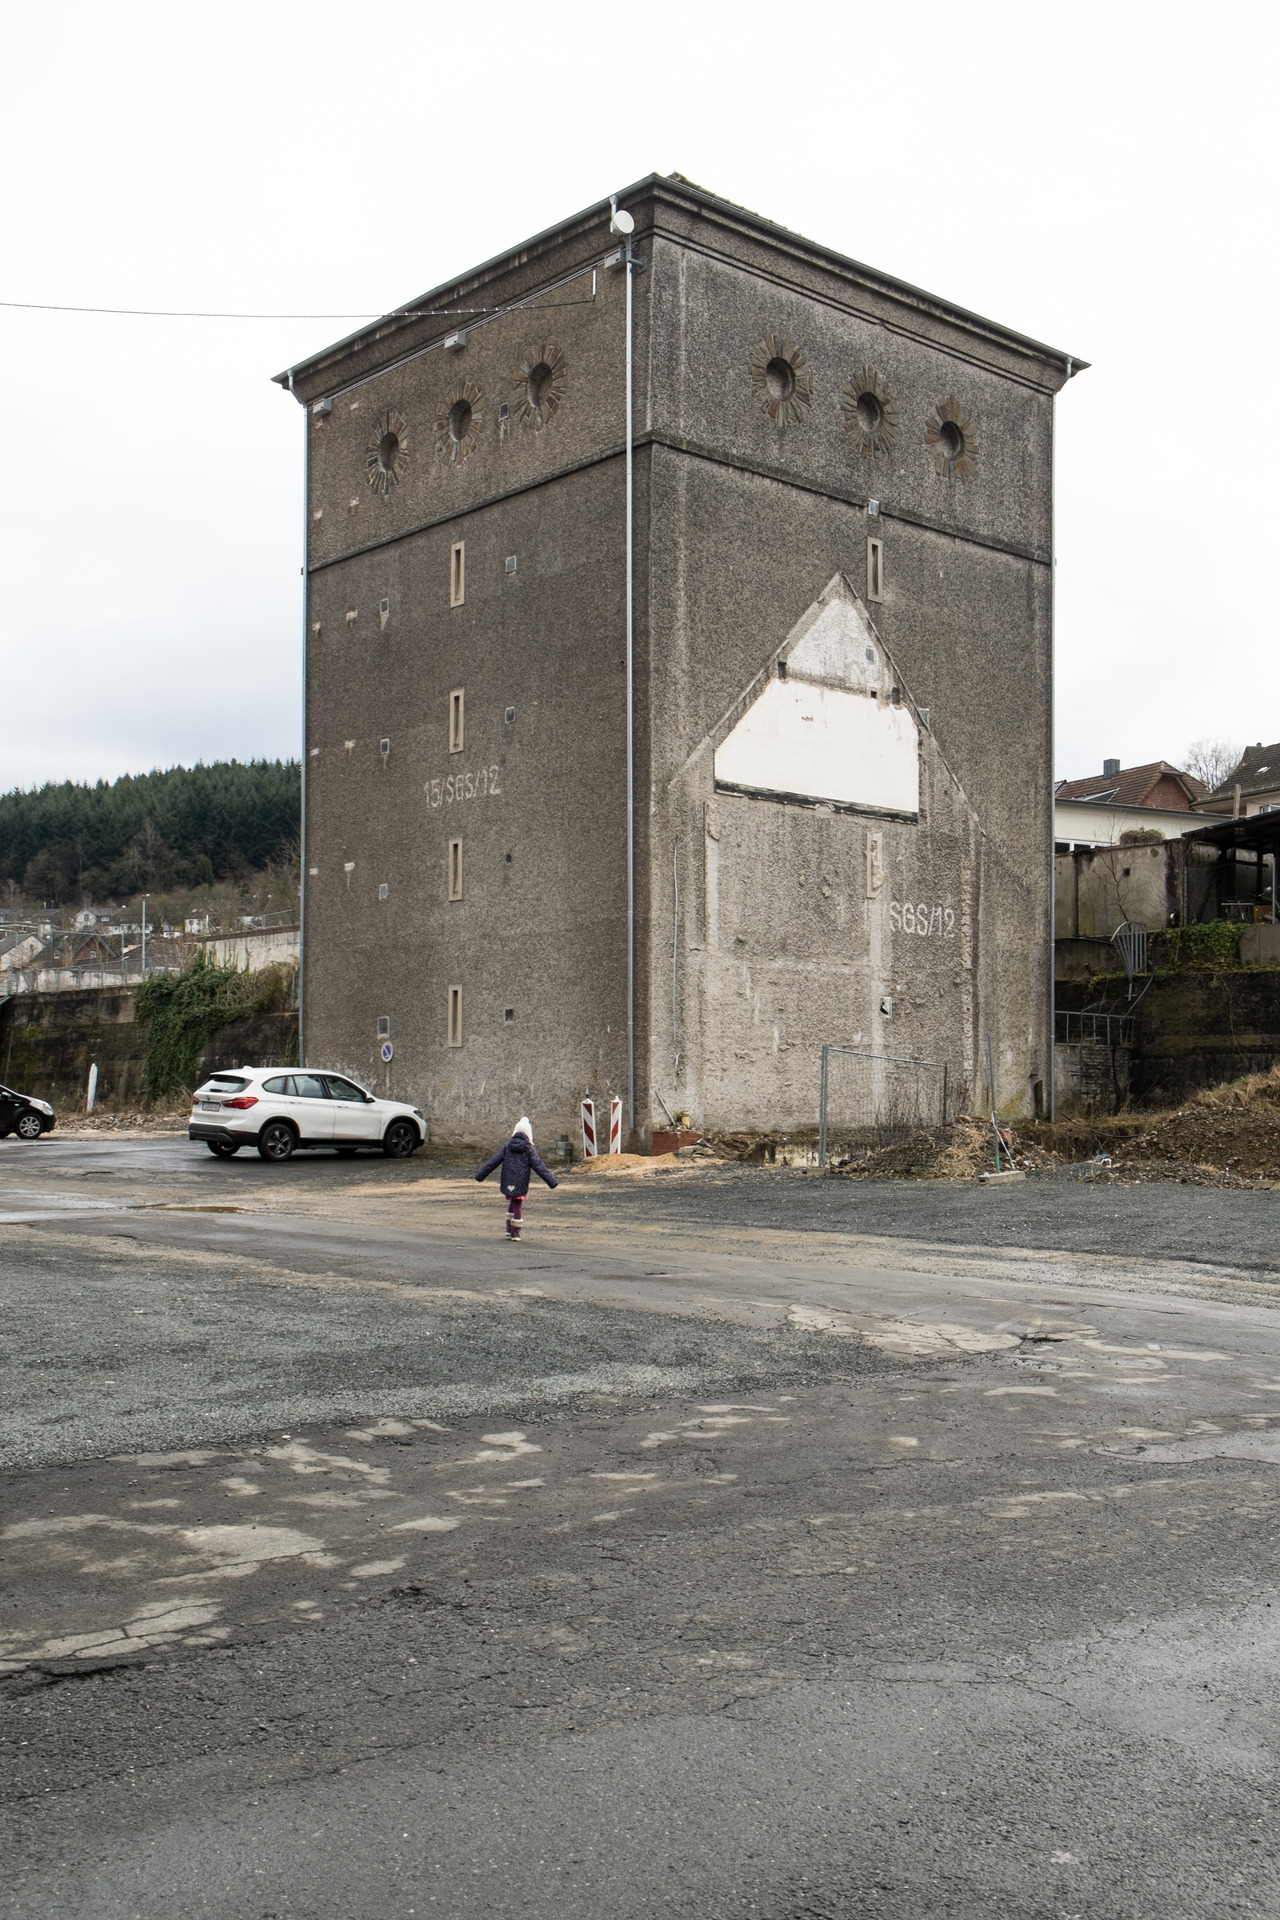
[[1211, 761]]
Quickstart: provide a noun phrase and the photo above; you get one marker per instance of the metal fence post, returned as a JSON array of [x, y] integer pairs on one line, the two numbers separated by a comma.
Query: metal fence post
[[822, 1114]]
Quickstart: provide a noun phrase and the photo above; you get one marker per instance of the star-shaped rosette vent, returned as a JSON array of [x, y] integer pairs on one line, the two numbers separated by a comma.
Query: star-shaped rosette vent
[[540, 384], [387, 455], [780, 376], [870, 413], [458, 422], [950, 437]]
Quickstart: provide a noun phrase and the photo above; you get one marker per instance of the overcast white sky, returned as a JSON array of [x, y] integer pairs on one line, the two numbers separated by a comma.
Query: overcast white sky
[[1100, 176]]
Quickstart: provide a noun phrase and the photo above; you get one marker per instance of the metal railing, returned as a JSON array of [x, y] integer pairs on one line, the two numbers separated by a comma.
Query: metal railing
[[1095, 1029], [903, 1093]]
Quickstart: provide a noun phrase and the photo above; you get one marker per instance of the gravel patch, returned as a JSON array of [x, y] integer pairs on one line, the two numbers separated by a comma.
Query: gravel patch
[[107, 1350]]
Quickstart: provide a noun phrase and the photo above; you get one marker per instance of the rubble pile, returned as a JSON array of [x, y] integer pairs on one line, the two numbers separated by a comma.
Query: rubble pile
[[148, 1120], [1226, 1136]]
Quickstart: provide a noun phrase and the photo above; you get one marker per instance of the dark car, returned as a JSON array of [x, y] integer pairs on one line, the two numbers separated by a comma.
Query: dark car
[[26, 1117]]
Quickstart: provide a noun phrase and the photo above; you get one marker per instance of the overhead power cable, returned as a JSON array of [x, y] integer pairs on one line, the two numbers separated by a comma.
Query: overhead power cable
[[154, 313], [157, 313]]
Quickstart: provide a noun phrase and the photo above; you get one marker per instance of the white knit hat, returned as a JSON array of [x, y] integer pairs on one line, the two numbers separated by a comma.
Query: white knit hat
[[522, 1126]]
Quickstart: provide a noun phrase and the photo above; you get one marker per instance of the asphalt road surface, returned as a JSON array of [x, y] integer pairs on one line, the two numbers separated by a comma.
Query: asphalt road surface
[[741, 1543]]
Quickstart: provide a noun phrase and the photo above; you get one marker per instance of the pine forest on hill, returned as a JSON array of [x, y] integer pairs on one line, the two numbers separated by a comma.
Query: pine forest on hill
[[164, 832]]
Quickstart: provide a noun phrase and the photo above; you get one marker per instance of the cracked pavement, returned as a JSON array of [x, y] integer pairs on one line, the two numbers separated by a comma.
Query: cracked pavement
[[734, 1545]]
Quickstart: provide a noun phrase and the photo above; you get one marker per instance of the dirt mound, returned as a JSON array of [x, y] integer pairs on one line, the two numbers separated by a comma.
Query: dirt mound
[[1231, 1130]]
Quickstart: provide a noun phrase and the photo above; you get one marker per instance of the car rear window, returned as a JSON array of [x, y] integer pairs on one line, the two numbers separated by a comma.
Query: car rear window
[[279, 1085], [223, 1083]]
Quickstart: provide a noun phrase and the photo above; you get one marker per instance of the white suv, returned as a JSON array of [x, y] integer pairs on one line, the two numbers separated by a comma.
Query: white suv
[[279, 1108]]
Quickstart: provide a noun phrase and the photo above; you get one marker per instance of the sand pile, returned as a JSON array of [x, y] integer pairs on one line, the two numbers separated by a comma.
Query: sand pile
[[626, 1163]]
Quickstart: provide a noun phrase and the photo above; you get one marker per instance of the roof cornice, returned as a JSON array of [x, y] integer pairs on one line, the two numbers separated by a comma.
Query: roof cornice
[[667, 198]]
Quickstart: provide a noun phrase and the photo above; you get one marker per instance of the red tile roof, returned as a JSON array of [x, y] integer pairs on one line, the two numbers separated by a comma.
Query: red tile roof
[[1155, 785]]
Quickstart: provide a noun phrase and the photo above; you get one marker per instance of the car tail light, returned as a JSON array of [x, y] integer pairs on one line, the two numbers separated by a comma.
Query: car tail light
[[242, 1100]]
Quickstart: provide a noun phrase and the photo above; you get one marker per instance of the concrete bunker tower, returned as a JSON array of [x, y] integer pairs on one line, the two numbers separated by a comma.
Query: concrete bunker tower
[[842, 681]]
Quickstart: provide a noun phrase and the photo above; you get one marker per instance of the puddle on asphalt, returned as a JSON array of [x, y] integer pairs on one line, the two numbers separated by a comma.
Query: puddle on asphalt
[[168, 1206]]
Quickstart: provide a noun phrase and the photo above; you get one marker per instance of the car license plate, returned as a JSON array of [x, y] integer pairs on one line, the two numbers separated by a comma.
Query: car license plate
[[210, 1106]]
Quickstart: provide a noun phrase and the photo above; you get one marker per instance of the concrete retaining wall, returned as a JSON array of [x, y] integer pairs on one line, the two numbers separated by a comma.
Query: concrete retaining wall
[[1193, 1030], [48, 1041]]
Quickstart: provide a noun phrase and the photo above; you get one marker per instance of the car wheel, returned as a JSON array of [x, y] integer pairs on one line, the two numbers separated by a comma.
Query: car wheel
[[400, 1140], [223, 1148], [277, 1140], [29, 1126]]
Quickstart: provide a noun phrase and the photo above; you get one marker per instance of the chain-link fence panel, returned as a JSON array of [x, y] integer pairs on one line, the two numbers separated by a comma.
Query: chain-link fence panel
[[870, 1099]]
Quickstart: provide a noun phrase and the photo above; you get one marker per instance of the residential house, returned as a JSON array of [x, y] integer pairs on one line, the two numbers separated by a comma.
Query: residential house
[[1099, 810], [1252, 787]]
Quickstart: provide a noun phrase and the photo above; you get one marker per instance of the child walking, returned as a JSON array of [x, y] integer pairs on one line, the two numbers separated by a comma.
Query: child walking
[[518, 1159]]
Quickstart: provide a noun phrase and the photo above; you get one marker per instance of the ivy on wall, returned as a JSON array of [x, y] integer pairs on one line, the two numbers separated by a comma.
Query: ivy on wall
[[183, 1011], [1206, 943]]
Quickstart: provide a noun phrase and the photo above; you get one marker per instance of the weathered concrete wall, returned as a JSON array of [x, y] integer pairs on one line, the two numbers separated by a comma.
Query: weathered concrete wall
[[48, 1042], [1168, 884], [1082, 959], [1260, 946], [63, 980], [1099, 888], [267, 947]]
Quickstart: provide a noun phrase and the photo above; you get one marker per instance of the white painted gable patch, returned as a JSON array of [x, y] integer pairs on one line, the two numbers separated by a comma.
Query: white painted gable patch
[[828, 731]]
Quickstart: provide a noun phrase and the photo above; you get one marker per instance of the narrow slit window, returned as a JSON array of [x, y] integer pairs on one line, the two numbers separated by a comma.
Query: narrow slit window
[[455, 721], [457, 573], [455, 1016], [455, 869], [875, 570]]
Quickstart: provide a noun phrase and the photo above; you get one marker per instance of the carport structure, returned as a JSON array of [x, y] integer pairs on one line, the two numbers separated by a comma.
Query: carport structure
[[1243, 847]]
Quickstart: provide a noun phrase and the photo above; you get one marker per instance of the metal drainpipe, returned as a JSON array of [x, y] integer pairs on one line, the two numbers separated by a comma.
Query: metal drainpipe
[[1051, 1091], [302, 831], [631, 744]]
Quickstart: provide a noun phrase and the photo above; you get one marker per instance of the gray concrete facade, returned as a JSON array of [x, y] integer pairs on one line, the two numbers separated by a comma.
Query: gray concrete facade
[[843, 781]]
